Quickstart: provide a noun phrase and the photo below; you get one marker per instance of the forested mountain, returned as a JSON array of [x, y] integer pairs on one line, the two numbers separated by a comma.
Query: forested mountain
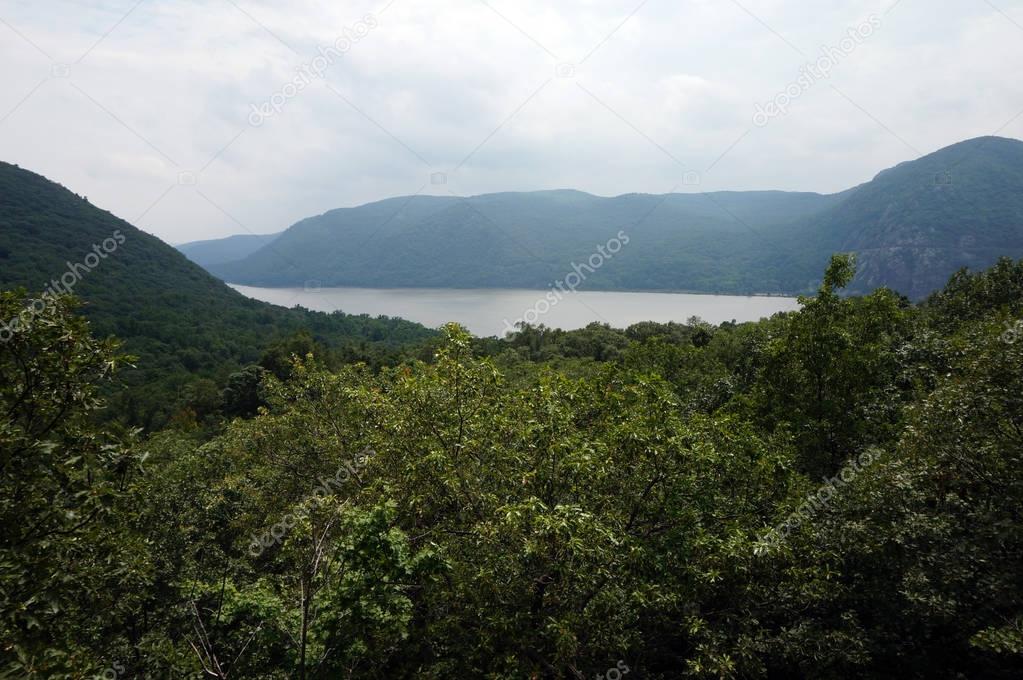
[[810, 470], [917, 223], [699, 242], [168, 311], [912, 226], [219, 251], [828, 493]]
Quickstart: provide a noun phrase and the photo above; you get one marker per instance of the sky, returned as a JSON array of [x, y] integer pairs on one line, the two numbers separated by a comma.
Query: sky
[[200, 119]]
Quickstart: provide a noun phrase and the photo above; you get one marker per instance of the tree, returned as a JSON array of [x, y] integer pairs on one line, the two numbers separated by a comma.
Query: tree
[[829, 376], [63, 480], [241, 396], [917, 560]]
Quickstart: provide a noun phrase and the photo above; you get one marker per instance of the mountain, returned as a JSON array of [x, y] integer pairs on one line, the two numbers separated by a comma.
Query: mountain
[[171, 313], [911, 227], [219, 251], [916, 224], [704, 242]]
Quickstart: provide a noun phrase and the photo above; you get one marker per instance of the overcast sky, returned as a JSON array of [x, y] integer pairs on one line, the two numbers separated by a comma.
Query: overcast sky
[[150, 107]]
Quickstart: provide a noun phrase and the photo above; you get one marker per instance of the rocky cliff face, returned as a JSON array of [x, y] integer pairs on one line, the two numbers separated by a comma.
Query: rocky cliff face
[[914, 225]]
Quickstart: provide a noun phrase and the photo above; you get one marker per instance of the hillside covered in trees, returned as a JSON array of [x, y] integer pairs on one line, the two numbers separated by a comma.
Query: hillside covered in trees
[[180, 321], [828, 493], [911, 226]]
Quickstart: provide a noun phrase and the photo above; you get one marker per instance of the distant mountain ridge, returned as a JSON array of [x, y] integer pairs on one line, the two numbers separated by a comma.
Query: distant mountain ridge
[[222, 250], [527, 240], [911, 227]]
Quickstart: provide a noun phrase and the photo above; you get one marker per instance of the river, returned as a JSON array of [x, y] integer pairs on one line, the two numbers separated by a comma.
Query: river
[[492, 311]]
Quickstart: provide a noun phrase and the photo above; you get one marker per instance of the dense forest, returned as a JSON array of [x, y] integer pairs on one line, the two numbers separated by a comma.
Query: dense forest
[[828, 493], [178, 320]]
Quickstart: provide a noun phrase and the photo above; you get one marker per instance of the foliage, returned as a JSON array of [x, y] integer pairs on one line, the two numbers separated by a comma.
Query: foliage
[[549, 505], [182, 323], [64, 487]]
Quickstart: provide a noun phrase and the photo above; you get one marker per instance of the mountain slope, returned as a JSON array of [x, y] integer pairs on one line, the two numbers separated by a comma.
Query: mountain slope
[[218, 251], [678, 241], [911, 227], [916, 224], [170, 312]]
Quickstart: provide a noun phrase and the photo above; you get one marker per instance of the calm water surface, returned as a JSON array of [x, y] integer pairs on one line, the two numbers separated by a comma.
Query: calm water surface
[[489, 311]]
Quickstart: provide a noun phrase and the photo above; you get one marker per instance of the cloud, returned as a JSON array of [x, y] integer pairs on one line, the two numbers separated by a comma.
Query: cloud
[[477, 90]]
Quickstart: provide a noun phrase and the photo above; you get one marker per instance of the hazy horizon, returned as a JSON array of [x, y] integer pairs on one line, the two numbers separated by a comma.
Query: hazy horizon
[[198, 121]]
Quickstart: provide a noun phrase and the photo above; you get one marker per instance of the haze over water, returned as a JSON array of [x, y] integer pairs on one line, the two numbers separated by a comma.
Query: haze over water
[[490, 311]]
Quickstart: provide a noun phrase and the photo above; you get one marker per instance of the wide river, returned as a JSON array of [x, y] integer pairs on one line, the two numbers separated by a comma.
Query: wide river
[[492, 311]]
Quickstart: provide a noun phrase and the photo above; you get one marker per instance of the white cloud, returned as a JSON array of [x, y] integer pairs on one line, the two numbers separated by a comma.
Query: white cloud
[[676, 79]]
